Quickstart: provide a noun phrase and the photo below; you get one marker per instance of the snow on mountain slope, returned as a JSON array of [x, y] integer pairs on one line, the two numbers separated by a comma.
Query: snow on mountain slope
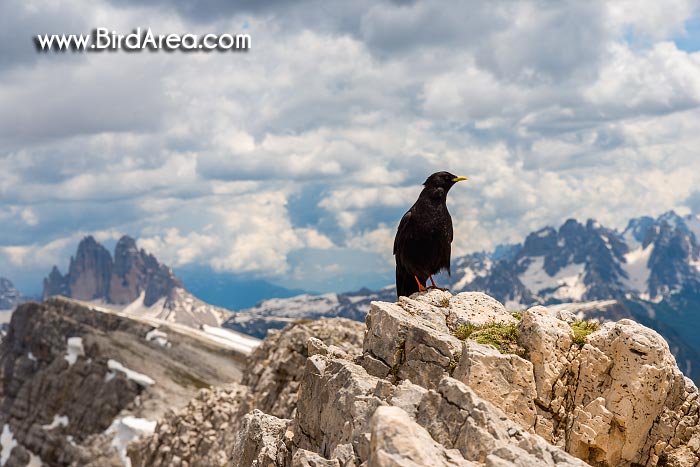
[[650, 258], [180, 307], [301, 306], [565, 284], [636, 267]]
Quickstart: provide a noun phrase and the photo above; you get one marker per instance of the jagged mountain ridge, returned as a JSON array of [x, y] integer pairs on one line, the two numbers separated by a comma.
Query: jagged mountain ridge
[[10, 297], [276, 313], [650, 259], [132, 280]]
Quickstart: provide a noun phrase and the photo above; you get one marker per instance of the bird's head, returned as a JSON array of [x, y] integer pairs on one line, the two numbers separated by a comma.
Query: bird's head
[[443, 180]]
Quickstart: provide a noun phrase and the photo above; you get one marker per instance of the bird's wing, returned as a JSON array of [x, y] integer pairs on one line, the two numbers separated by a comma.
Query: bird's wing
[[450, 235], [401, 232]]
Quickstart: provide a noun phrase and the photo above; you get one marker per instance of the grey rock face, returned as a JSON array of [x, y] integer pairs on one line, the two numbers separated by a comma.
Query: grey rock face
[[276, 367], [94, 275], [134, 280], [69, 373], [198, 434]]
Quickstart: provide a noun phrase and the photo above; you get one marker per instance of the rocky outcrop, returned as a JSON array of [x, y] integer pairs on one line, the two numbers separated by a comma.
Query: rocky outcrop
[[416, 394], [78, 383], [136, 272], [271, 381], [275, 369], [200, 434], [134, 281], [94, 275]]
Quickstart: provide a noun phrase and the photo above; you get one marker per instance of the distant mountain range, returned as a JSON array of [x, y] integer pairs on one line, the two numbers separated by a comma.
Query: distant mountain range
[[9, 295], [649, 272], [651, 259]]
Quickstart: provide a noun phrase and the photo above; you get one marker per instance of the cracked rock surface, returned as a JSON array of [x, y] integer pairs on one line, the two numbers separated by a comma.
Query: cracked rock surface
[[404, 391]]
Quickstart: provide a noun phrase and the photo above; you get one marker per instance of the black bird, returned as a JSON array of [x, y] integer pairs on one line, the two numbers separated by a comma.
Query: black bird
[[424, 237]]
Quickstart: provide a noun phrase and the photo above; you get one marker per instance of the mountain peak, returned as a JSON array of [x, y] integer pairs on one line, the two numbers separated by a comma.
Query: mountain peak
[[9, 295], [95, 275]]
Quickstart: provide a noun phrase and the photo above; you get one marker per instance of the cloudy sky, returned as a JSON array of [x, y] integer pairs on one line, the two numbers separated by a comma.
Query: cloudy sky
[[294, 161]]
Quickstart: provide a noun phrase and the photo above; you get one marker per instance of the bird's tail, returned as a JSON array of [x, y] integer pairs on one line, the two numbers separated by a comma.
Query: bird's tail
[[405, 283]]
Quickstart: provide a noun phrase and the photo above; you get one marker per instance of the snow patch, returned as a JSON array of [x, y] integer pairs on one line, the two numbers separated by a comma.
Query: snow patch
[[231, 339], [566, 284], [693, 223], [31, 357], [467, 278], [159, 337], [126, 430], [58, 420], [138, 378], [637, 269], [34, 460], [74, 350], [7, 443]]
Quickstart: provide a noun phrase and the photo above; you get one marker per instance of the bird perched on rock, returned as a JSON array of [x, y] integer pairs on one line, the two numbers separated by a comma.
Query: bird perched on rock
[[423, 240]]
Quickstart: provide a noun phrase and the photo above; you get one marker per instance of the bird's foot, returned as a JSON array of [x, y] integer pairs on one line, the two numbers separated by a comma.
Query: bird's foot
[[434, 285], [421, 287]]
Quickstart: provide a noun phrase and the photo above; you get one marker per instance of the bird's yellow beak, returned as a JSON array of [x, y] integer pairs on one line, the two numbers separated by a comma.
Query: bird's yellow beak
[[459, 179]]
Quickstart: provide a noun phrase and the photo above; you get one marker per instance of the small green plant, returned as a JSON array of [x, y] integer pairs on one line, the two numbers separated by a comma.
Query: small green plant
[[503, 337], [444, 302], [517, 315], [464, 331], [582, 329]]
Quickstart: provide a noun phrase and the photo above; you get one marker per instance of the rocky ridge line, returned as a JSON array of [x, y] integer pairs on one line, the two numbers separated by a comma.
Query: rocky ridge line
[[407, 392]]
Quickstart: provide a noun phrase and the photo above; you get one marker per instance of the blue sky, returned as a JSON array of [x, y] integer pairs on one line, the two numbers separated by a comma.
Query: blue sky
[[294, 161]]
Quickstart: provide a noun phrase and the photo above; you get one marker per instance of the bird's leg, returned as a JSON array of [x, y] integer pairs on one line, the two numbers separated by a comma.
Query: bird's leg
[[434, 286], [421, 287]]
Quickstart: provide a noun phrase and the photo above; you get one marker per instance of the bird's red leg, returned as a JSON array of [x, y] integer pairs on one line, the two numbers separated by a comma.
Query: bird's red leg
[[421, 287], [434, 286]]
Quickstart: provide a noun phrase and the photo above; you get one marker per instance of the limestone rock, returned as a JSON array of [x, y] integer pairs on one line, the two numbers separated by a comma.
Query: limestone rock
[[547, 341], [336, 402], [276, 367], [415, 395], [504, 379], [258, 443], [631, 404], [398, 441], [202, 433]]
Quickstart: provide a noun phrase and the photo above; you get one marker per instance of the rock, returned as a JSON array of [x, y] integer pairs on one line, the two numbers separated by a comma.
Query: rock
[[259, 442], [70, 372], [547, 341], [276, 367], [336, 402], [631, 404], [304, 458], [398, 441], [416, 395], [410, 338], [202, 433], [504, 379]]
